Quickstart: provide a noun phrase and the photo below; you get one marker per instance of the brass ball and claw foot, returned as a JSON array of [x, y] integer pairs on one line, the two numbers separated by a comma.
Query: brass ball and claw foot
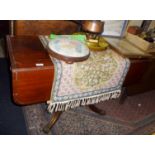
[[55, 116]]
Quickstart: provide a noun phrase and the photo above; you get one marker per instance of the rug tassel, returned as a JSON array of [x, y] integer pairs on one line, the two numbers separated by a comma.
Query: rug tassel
[[63, 106]]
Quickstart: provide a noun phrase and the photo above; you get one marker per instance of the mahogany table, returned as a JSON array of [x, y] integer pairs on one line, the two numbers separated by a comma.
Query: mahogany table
[[31, 68], [33, 72]]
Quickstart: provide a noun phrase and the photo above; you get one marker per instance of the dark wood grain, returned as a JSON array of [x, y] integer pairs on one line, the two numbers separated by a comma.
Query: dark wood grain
[[30, 83], [138, 69], [44, 27], [140, 77]]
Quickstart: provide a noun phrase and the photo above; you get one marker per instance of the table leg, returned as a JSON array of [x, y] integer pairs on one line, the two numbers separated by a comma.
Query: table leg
[[97, 110], [123, 96], [121, 101], [55, 116]]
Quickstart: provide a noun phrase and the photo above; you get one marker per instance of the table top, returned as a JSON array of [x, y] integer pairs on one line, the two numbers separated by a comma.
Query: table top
[[125, 48], [27, 52]]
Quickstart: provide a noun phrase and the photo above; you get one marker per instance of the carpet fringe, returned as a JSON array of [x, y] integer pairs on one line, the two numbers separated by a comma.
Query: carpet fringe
[[64, 106]]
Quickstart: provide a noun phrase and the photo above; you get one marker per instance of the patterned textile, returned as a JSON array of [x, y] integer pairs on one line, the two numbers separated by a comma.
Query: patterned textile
[[96, 79], [69, 47]]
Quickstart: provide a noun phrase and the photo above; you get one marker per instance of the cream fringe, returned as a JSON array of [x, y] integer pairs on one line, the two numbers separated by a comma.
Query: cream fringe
[[63, 106]]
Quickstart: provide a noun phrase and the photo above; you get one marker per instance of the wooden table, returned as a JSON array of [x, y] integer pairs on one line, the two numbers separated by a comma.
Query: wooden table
[[33, 72]]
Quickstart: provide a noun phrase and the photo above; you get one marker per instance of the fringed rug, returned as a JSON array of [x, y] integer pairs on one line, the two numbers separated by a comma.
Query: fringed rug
[[135, 116], [96, 79]]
